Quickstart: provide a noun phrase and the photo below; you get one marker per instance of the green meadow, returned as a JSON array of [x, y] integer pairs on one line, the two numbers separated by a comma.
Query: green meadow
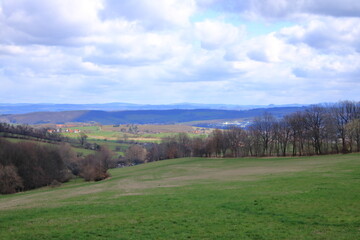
[[197, 198], [110, 133]]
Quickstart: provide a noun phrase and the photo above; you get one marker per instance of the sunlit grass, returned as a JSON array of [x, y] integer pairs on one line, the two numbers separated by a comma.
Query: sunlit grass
[[195, 198]]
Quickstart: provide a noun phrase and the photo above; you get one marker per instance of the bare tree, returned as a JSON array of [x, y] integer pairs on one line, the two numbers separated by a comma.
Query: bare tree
[[315, 125], [198, 147], [236, 137], [184, 144], [10, 181], [353, 131], [282, 133], [82, 138], [154, 153], [263, 129], [219, 142], [343, 113], [296, 122], [136, 154]]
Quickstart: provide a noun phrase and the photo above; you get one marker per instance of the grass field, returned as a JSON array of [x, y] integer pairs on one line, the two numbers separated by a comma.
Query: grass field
[[145, 133], [118, 148], [95, 132], [194, 198]]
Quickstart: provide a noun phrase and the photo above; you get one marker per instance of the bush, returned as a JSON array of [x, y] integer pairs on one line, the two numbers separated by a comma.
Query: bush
[[55, 183], [26, 165], [10, 181], [94, 167], [135, 154]]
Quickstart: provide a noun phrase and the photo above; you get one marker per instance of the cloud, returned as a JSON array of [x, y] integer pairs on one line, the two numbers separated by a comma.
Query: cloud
[[214, 34], [133, 50], [257, 55], [300, 73], [285, 9], [154, 15], [176, 51], [344, 8], [328, 34], [47, 22]]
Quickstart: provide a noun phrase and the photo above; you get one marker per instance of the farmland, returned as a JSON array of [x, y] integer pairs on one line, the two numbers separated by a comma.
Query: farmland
[[116, 137], [197, 198], [119, 137], [141, 133]]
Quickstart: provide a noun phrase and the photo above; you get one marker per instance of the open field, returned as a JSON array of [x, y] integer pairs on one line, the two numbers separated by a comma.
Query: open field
[[102, 134], [118, 148], [195, 198]]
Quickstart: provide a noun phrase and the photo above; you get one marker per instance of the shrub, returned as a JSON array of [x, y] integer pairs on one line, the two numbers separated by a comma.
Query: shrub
[[93, 168], [10, 181], [55, 183]]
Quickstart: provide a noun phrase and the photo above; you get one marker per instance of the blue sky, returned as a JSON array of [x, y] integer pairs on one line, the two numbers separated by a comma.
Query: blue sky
[[171, 51]]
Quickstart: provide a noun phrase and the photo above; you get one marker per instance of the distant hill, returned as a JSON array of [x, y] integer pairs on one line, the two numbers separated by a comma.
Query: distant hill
[[18, 108], [143, 116]]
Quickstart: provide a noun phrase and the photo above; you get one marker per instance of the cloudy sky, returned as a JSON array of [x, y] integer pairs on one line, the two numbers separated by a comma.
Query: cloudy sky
[[171, 51]]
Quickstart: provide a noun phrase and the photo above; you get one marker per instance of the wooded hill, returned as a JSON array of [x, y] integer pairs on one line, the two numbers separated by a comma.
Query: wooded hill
[[143, 116], [20, 108]]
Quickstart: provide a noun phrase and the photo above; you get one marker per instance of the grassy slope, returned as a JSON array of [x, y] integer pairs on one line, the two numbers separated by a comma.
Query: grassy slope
[[285, 198]]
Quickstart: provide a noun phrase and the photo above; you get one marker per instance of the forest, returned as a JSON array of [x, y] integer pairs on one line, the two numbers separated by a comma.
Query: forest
[[29, 165]]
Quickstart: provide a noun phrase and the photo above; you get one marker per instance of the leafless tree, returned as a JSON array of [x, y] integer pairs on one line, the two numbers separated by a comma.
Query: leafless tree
[[343, 113], [10, 181], [353, 131], [236, 138], [136, 154]]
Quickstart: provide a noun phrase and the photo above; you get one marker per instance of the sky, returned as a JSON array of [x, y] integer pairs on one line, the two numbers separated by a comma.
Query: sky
[[174, 51]]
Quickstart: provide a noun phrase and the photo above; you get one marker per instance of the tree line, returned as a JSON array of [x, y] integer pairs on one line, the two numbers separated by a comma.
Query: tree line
[[26, 131], [43, 134], [320, 129], [27, 165]]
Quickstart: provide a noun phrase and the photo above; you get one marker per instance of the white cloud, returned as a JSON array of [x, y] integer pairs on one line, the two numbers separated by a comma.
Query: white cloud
[[214, 34], [154, 15], [175, 51], [336, 8], [328, 34], [280, 9], [48, 22]]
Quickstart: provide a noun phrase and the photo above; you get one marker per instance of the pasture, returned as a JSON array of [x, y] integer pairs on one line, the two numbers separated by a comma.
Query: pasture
[[197, 198], [138, 133]]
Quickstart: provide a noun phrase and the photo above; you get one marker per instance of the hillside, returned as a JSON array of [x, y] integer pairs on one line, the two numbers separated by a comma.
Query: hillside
[[195, 198], [42, 117], [142, 116], [78, 150], [18, 108]]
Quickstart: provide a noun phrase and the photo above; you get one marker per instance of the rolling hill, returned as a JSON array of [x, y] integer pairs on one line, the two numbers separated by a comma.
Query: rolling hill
[[20, 108], [142, 116], [197, 198]]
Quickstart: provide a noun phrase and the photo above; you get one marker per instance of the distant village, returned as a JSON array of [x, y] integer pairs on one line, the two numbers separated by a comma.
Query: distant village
[[225, 125], [61, 128]]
